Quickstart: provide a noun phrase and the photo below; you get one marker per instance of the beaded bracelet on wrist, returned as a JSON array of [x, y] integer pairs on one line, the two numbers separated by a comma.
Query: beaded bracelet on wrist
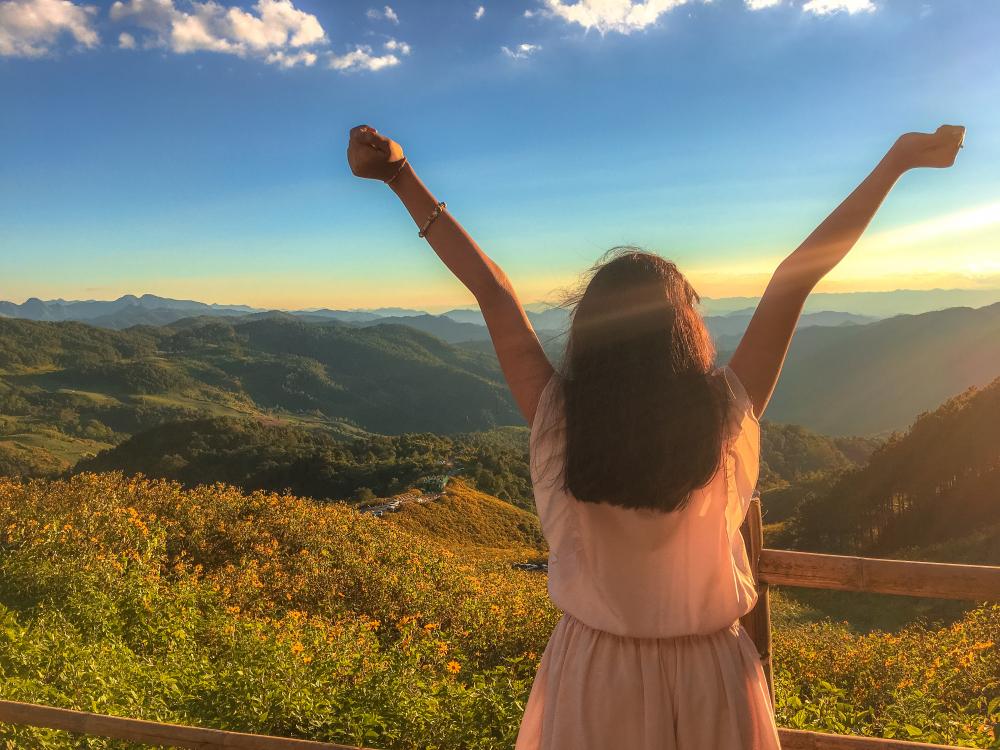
[[438, 210]]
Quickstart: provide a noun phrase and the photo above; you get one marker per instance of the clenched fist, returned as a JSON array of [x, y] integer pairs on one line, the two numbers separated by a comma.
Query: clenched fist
[[937, 149], [373, 156]]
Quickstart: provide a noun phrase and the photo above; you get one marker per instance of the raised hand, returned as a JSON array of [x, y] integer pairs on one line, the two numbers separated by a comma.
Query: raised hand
[[373, 156], [937, 149]]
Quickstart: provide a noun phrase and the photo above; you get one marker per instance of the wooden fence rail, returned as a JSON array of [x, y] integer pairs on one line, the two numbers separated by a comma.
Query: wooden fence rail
[[771, 567], [978, 583], [793, 739], [148, 732], [196, 738]]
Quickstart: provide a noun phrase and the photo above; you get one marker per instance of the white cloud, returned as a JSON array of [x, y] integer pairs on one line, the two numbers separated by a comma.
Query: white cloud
[[521, 51], [394, 45], [623, 16], [29, 28], [277, 28], [827, 7], [285, 60], [126, 41], [758, 4], [363, 58], [389, 14], [479, 13]]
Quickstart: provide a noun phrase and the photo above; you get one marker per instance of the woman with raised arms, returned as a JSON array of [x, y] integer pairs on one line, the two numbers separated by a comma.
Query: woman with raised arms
[[644, 458]]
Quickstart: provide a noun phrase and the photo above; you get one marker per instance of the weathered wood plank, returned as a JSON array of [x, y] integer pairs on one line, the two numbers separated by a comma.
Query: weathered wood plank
[[148, 732], [757, 622], [793, 739], [979, 583], [173, 735]]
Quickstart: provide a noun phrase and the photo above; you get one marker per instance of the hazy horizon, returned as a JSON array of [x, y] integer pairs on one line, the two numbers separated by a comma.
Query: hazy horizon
[[877, 304]]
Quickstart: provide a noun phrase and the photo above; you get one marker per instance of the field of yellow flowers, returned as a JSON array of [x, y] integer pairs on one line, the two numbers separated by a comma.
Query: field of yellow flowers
[[278, 615]]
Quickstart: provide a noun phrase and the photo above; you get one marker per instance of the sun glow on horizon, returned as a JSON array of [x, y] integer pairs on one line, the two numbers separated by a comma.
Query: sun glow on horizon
[[956, 251], [963, 221]]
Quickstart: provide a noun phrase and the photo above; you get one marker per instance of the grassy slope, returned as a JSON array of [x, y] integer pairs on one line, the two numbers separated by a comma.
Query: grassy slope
[[465, 520]]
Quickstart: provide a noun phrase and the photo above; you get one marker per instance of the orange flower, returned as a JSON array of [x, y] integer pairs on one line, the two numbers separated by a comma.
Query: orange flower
[[453, 666]]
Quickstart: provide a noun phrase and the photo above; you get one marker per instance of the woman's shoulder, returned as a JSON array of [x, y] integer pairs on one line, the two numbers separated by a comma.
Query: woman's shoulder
[[737, 393]]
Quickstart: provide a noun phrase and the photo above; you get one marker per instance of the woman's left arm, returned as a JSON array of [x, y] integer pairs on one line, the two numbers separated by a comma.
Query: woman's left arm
[[758, 358]]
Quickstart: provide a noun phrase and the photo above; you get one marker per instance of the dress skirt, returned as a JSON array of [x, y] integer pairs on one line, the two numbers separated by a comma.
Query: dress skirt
[[599, 691]]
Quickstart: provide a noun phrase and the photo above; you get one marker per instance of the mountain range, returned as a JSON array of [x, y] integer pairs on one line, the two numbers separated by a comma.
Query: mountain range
[[845, 374], [149, 309], [870, 379]]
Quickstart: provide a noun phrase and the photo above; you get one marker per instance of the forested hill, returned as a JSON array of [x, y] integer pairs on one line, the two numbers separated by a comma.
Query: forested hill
[[869, 379], [90, 383], [940, 481], [252, 455]]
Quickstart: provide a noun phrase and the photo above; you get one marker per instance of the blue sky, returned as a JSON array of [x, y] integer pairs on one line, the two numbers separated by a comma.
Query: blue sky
[[196, 150]]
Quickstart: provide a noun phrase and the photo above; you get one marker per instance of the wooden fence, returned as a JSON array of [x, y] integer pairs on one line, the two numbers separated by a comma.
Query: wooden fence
[[785, 568], [771, 567]]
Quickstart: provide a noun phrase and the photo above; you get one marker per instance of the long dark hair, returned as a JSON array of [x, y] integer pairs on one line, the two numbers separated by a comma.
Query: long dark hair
[[645, 416]]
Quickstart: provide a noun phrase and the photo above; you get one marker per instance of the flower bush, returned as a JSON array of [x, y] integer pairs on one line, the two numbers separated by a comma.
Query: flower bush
[[277, 615], [255, 613], [919, 684]]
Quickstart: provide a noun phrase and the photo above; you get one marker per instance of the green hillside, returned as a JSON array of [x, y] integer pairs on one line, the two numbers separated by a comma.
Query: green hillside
[[74, 389], [938, 482], [260, 454], [796, 463], [871, 379], [466, 520]]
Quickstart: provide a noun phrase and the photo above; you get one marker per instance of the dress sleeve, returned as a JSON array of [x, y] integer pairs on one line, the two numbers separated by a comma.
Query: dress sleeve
[[743, 454], [545, 453]]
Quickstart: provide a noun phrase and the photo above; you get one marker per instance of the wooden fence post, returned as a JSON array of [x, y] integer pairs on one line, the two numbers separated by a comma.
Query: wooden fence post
[[757, 622]]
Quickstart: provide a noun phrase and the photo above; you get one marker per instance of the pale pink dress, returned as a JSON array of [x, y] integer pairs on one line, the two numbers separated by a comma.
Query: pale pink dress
[[649, 653]]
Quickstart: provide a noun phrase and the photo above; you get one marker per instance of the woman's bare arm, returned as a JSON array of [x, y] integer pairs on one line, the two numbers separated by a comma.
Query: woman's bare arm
[[758, 359], [524, 363]]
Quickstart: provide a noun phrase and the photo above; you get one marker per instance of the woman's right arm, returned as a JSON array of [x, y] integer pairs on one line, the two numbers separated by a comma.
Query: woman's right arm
[[525, 366], [761, 353]]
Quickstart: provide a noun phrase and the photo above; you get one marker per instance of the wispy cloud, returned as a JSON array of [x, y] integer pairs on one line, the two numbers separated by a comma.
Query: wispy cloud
[[827, 7], [30, 28], [277, 29], [623, 16], [364, 58], [760, 4], [126, 41], [521, 51], [963, 221], [394, 45], [286, 60], [388, 13], [479, 13]]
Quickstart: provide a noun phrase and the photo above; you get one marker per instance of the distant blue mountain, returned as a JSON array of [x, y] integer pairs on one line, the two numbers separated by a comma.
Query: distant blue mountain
[[126, 308]]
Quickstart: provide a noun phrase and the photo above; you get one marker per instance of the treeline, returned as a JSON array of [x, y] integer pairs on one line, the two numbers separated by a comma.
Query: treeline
[[255, 455], [939, 481], [797, 463], [790, 452]]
